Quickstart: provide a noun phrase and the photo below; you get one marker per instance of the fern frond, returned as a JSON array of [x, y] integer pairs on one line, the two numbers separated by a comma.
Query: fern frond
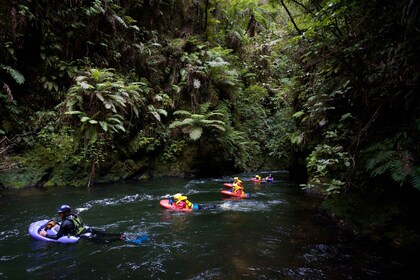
[[381, 158], [184, 122], [162, 112], [215, 114], [156, 115], [181, 113], [16, 75], [397, 172], [219, 127], [196, 133], [198, 117], [415, 178]]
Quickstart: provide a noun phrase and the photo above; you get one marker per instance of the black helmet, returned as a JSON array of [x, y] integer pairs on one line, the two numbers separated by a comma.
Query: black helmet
[[64, 208]]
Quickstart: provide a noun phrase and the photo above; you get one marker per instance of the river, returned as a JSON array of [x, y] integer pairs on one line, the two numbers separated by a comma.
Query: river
[[277, 233]]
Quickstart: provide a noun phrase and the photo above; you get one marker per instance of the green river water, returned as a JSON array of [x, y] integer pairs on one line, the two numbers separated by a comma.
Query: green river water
[[277, 233]]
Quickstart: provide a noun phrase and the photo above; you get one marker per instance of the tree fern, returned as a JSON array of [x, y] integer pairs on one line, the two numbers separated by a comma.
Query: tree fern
[[415, 178], [381, 162], [399, 165], [15, 74], [194, 124]]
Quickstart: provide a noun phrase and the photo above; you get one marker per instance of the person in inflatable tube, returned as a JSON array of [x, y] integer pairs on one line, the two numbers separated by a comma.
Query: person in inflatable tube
[[238, 188], [72, 224], [236, 180], [181, 202], [269, 178]]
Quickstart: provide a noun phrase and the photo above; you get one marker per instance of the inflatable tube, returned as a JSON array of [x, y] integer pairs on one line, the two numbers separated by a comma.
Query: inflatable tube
[[228, 185], [35, 227], [256, 180], [165, 204], [229, 193]]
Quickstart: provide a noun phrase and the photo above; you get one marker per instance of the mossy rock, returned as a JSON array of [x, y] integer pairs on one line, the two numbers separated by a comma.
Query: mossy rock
[[123, 170], [66, 176], [21, 178]]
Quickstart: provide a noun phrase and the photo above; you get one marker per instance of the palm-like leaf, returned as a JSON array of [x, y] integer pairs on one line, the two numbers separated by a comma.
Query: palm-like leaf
[[194, 124], [15, 74], [196, 133]]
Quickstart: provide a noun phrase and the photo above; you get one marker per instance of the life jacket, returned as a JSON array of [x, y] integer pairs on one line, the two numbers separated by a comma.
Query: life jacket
[[77, 222], [237, 188], [187, 202]]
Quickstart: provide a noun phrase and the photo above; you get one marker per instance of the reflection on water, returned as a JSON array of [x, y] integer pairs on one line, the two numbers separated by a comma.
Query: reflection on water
[[277, 233]]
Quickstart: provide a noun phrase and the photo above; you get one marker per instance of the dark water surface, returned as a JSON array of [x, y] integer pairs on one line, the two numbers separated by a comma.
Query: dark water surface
[[277, 233]]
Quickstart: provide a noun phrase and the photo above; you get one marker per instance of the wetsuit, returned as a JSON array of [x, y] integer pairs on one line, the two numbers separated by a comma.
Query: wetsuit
[[70, 225], [73, 225]]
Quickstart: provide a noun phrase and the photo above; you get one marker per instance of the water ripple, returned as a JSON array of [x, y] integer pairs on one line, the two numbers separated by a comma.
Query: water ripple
[[12, 233], [117, 201], [7, 258]]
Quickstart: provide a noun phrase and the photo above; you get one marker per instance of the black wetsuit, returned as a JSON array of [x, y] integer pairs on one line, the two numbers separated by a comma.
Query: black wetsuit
[[67, 227]]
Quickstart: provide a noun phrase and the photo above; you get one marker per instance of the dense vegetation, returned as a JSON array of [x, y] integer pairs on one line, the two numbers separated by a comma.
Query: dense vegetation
[[105, 90]]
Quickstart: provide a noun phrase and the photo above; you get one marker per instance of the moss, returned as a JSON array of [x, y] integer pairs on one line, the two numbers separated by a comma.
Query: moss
[[123, 170], [64, 175], [21, 178]]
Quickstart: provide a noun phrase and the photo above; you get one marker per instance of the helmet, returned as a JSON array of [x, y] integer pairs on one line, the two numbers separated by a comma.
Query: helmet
[[63, 208], [177, 196], [236, 178], [182, 197]]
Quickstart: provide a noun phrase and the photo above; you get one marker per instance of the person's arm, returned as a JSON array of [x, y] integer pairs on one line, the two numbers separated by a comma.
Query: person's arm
[[65, 228]]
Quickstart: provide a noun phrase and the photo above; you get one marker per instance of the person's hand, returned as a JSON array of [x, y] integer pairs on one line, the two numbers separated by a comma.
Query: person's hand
[[43, 233]]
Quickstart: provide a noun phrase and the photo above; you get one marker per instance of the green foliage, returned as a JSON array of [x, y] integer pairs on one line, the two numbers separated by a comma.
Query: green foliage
[[348, 90], [325, 161], [243, 151], [282, 136], [15, 74], [398, 164], [142, 143], [101, 105], [194, 124], [9, 110], [102, 101], [206, 75], [172, 151], [240, 16]]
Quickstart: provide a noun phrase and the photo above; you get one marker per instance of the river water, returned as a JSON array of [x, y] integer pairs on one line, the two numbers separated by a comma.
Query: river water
[[277, 233]]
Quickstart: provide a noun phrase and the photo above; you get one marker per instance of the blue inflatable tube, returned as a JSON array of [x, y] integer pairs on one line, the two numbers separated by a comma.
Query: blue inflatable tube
[[35, 228]]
